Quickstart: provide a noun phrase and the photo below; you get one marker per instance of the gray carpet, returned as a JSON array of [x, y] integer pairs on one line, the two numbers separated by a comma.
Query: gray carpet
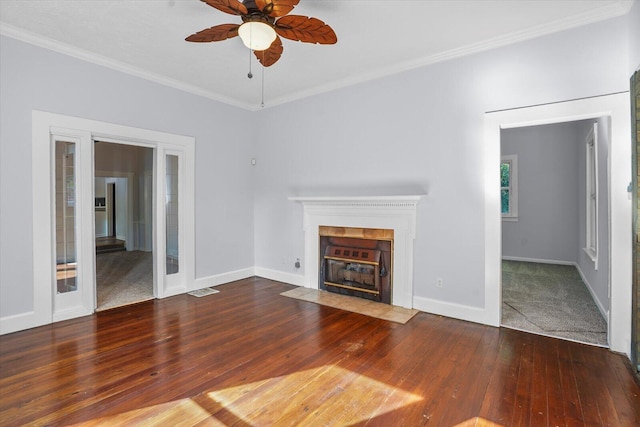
[[551, 300], [123, 278]]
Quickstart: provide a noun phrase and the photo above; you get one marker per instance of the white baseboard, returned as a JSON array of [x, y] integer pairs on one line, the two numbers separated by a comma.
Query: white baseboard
[[70, 314], [220, 279], [453, 310], [280, 276], [603, 311], [17, 322], [540, 261]]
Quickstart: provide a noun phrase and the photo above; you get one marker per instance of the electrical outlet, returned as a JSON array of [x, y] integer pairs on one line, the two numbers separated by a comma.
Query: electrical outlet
[[297, 264], [439, 282]]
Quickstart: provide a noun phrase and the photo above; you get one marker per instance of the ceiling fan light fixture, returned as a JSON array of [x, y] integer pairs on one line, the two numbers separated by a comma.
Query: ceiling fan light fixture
[[257, 35]]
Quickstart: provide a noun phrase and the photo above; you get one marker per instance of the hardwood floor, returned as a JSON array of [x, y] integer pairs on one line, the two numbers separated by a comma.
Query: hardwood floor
[[249, 357]]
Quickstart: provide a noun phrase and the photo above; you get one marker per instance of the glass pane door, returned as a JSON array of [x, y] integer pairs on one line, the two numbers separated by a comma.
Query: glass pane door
[[65, 202], [172, 212]]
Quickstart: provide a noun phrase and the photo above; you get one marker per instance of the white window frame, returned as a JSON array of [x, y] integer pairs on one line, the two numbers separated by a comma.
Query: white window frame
[[512, 159], [591, 195]]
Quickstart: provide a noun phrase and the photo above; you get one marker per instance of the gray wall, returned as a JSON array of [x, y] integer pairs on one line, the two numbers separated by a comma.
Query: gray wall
[[35, 78], [419, 131], [547, 226], [422, 131]]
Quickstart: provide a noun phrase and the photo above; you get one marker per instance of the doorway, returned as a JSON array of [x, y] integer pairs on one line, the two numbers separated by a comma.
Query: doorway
[[555, 263], [124, 253], [50, 130], [615, 106]]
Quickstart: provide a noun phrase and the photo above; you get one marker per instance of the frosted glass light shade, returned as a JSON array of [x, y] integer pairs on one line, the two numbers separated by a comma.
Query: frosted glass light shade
[[257, 35]]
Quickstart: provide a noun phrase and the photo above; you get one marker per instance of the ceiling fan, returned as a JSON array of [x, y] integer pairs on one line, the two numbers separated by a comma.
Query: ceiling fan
[[263, 22]]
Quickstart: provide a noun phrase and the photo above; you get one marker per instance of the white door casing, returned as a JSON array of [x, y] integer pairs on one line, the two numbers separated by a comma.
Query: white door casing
[[46, 127], [615, 106]]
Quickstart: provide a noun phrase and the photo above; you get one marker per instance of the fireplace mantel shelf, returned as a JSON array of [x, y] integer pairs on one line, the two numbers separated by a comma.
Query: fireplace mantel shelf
[[364, 201]]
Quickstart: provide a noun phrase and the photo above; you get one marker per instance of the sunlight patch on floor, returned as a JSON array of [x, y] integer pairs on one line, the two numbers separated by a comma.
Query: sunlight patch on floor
[[183, 412], [478, 422], [328, 395]]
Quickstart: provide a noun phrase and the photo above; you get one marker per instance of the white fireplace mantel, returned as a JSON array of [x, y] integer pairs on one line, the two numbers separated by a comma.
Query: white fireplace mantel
[[397, 213]]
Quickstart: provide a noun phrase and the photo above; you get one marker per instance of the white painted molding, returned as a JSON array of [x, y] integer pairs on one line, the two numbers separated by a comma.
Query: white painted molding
[[538, 260], [617, 107], [397, 213], [453, 310], [612, 10], [280, 276], [18, 322], [84, 55], [220, 279], [601, 308]]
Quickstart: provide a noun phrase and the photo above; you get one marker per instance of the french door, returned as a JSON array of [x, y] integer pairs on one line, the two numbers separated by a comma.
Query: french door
[[64, 226]]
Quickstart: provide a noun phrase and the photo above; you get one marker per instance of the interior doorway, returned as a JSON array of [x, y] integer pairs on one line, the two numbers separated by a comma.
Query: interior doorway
[[615, 106], [78, 137], [555, 235], [124, 253]]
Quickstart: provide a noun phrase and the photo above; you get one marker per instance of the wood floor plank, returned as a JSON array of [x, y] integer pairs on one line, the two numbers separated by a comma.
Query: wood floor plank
[[552, 384], [250, 357]]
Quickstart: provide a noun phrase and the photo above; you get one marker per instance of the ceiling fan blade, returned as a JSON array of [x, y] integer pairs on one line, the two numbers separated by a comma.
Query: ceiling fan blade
[[271, 55], [233, 7], [276, 8], [215, 34], [305, 29]]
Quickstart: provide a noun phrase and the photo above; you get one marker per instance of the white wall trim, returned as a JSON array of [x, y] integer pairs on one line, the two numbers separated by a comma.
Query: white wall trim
[[449, 309], [538, 260], [601, 308], [280, 276], [18, 322], [616, 106], [43, 126], [222, 278], [94, 58], [600, 14], [612, 10]]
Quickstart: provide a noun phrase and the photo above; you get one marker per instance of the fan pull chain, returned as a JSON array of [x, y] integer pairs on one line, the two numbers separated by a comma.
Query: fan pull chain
[[250, 75], [262, 101]]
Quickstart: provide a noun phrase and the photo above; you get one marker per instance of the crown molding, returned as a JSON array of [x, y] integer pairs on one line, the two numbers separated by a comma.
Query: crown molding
[[619, 8], [65, 49]]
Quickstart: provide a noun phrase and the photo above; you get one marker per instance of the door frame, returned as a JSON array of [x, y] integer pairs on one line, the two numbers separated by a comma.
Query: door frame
[[615, 106], [129, 202], [44, 125]]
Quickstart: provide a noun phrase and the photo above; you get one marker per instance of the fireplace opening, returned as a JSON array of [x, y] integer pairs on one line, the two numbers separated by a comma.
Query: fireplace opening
[[356, 262]]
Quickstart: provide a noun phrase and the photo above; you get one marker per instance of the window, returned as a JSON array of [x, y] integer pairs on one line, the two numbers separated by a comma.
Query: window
[[509, 187], [591, 196]]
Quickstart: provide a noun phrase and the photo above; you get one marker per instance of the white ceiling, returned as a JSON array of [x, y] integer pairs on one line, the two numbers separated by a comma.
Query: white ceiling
[[375, 38]]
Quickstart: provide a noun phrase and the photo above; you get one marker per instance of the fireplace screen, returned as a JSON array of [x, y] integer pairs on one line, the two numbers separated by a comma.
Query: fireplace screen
[[358, 270]]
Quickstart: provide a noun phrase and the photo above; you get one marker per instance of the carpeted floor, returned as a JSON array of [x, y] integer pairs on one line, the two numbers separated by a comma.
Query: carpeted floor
[[551, 300], [123, 278]]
